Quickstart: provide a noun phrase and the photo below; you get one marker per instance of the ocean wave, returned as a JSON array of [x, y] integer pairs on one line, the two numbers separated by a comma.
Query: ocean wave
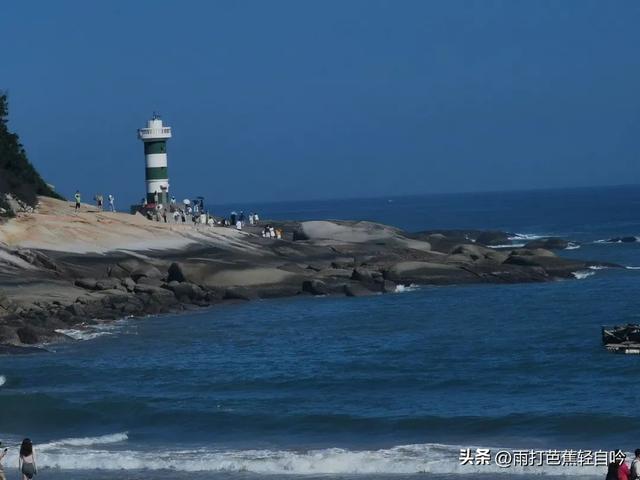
[[402, 459], [614, 240], [88, 441], [406, 288], [582, 274], [3, 380], [78, 334], [526, 236], [632, 268], [572, 246], [507, 245], [91, 332], [598, 267]]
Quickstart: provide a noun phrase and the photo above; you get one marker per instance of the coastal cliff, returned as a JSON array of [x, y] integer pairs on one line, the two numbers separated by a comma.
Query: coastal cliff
[[61, 270]]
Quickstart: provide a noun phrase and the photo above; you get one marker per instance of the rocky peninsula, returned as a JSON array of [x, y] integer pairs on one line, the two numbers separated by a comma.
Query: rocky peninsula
[[61, 270]]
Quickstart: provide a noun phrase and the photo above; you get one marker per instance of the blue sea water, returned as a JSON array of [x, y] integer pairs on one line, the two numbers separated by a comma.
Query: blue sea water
[[390, 386]]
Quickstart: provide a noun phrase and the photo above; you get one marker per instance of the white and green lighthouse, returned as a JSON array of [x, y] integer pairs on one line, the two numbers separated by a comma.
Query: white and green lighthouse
[[155, 138]]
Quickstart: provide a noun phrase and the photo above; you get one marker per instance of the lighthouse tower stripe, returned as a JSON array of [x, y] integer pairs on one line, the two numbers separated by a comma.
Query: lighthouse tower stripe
[[154, 160], [155, 137]]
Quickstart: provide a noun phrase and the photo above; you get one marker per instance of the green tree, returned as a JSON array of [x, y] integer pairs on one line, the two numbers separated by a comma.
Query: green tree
[[17, 176]]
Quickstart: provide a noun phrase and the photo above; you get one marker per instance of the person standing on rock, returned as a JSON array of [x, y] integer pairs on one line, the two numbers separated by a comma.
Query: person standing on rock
[[111, 203], [78, 198]]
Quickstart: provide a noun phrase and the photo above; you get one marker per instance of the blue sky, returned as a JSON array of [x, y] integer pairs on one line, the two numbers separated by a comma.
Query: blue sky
[[284, 100]]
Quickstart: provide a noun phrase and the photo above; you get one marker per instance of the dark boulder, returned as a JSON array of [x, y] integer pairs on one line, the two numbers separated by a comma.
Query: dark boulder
[[346, 263], [150, 281], [108, 284], [493, 238], [356, 290], [299, 235], [552, 243], [37, 259], [239, 293], [128, 283], [175, 273], [388, 286], [185, 291], [76, 309], [364, 275], [27, 335], [86, 283], [148, 271], [315, 287], [150, 289]]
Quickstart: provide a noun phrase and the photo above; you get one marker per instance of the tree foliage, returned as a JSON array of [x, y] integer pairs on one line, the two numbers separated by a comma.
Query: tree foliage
[[17, 175]]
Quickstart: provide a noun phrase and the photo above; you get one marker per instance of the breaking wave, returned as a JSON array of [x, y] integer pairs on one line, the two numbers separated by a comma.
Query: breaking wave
[[403, 459], [582, 274], [526, 236], [91, 331], [508, 245], [629, 239], [88, 441], [406, 288], [572, 246], [3, 380]]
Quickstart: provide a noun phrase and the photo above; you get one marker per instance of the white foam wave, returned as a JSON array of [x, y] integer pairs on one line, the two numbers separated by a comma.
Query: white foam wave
[[3, 380], [403, 459], [598, 267], [608, 240], [582, 274], [572, 246], [632, 268], [406, 288], [78, 334], [526, 236], [89, 441], [89, 332], [508, 245]]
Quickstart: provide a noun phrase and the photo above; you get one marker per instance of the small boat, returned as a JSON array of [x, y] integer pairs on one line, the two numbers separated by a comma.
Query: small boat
[[622, 339]]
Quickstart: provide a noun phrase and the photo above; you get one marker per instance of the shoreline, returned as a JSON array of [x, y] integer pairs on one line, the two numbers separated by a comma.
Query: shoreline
[[97, 270]]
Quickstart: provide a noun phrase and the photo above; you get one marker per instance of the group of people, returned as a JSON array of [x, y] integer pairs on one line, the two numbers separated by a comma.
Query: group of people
[[270, 232], [193, 213], [26, 460], [619, 469], [98, 198]]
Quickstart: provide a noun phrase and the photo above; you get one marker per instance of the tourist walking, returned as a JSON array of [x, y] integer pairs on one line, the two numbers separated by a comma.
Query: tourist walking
[[78, 198], [27, 460], [112, 203]]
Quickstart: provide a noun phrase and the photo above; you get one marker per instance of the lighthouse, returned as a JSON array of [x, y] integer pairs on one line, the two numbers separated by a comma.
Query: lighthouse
[[155, 137]]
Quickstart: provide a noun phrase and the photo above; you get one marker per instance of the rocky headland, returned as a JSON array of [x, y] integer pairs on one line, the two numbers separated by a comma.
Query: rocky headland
[[60, 270]]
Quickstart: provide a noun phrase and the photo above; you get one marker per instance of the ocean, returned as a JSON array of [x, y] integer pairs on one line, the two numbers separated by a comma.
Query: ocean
[[386, 387]]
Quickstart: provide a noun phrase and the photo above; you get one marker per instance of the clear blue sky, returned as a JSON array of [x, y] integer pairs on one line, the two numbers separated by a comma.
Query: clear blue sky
[[282, 100]]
